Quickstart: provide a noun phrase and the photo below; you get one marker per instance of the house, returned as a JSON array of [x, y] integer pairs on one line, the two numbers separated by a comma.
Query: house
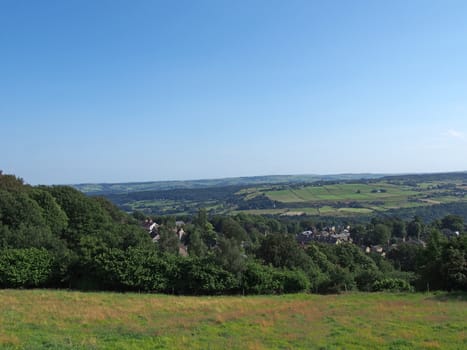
[[378, 249], [324, 236], [180, 233], [449, 233], [151, 226]]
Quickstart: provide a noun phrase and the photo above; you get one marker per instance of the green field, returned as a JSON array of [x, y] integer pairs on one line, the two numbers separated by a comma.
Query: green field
[[343, 192], [339, 197], [40, 319]]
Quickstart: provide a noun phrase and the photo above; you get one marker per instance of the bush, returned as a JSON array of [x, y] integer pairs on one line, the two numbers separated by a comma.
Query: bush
[[294, 281], [259, 279], [392, 285], [24, 267]]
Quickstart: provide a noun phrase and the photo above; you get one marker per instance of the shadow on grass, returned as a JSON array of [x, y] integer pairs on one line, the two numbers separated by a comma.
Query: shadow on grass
[[450, 296]]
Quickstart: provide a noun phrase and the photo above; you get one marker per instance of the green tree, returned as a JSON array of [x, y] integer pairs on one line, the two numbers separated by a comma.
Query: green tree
[[399, 229], [282, 250], [359, 234], [380, 234], [404, 256], [24, 268], [168, 241], [414, 228], [430, 261], [453, 223], [196, 246], [229, 255], [54, 216]]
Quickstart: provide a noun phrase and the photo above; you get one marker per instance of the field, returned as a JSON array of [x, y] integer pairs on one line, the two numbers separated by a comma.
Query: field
[[344, 197], [40, 319], [355, 198]]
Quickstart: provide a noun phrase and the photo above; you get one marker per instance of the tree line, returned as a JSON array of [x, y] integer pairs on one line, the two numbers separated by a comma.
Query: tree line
[[56, 237]]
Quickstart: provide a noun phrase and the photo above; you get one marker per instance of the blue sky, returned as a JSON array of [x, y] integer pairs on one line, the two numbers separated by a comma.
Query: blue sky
[[115, 91]]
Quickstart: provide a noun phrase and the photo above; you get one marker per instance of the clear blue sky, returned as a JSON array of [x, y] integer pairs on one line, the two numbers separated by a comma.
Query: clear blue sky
[[114, 91]]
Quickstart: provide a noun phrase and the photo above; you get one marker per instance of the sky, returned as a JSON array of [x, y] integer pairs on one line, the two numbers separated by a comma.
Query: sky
[[123, 91]]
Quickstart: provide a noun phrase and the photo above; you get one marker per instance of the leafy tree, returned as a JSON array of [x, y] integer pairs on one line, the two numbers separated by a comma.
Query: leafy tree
[[54, 216], [282, 251], [196, 246], [29, 267], [359, 234], [399, 229], [414, 228], [230, 228], [203, 276], [454, 263], [135, 269], [404, 256], [294, 281], [380, 234], [11, 183], [229, 255], [453, 223], [429, 262], [168, 241], [18, 209], [259, 279]]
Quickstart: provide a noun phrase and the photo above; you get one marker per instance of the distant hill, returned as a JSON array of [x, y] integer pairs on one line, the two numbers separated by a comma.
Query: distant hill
[[430, 196], [127, 187]]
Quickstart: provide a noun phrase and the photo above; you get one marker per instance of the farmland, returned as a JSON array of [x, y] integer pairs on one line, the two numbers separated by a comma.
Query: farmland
[[346, 197], [41, 319]]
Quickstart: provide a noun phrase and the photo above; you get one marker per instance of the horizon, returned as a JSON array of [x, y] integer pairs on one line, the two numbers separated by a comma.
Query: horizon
[[118, 92], [239, 177]]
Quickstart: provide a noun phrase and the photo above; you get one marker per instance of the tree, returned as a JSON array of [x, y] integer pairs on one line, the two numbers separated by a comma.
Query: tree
[[29, 267], [229, 255], [168, 241], [231, 229], [414, 229], [454, 268], [359, 234], [399, 229], [404, 256], [281, 250], [53, 214], [429, 262], [453, 223], [380, 234], [196, 246]]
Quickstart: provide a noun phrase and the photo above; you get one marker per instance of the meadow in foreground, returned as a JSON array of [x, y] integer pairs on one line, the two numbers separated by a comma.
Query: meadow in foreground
[[43, 319]]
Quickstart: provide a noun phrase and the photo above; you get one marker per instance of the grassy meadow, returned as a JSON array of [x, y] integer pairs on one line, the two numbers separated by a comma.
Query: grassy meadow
[[42, 319]]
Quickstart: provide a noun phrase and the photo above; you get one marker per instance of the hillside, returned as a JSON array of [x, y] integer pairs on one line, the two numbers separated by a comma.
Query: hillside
[[126, 187], [427, 195]]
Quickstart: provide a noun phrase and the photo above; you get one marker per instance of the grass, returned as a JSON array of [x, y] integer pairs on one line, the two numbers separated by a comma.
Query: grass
[[40, 319], [342, 192], [334, 199]]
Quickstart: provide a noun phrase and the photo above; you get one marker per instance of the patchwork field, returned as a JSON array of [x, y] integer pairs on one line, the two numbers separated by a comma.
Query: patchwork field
[[348, 199], [41, 319], [410, 195]]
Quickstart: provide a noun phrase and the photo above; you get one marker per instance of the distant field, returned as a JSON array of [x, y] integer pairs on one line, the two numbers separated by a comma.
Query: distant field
[[349, 199], [343, 192], [42, 319], [339, 196]]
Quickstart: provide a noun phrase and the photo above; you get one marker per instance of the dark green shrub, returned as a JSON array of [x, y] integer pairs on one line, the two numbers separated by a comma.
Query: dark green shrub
[[24, 268]]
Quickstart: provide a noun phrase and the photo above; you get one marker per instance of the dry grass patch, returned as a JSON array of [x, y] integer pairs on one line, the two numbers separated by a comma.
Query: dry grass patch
[[73, 320]]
